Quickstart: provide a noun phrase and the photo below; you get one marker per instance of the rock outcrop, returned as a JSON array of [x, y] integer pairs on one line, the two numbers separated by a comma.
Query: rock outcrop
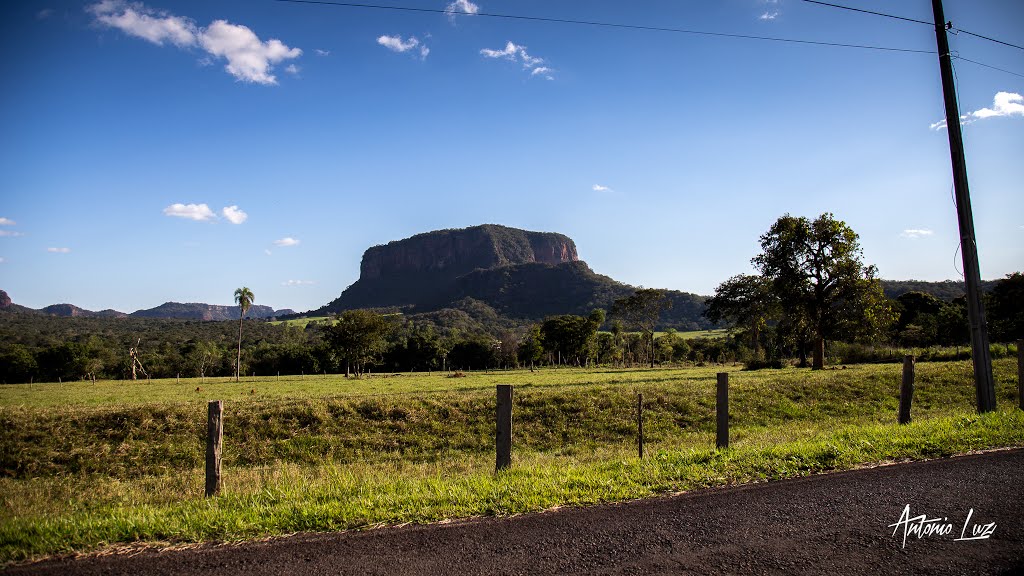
[[423, 271], [516, 273]]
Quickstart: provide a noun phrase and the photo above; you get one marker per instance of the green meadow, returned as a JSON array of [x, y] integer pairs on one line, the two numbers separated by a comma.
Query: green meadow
[[87, 466]]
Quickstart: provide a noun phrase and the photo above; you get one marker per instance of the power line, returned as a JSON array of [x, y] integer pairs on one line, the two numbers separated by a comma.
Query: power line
[[608, 25], [954, 29], [869, 12], [958, 30], [958, 57]]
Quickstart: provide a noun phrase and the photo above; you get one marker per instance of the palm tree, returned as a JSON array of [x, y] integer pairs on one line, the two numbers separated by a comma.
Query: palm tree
[[244, 298]]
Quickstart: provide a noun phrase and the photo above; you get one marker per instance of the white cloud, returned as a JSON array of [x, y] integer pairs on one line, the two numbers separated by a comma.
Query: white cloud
[[461, 7], [1003, 104], [396, 43], [298, 283], [267, 251], [7, 222], [915, 234], [11, 233], [600, 188], [234, 214], [142, 22], [2, 260], [197, 212], [248, 58], [287, 241], [320, 52], [59, 250], [517, 53], [769, 15]]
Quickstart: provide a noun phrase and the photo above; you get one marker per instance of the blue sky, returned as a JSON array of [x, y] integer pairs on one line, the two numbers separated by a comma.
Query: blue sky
[[176, 150]]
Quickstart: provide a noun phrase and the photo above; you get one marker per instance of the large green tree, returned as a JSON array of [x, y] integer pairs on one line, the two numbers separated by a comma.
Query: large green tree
[[1006, 308], [816, 269], [358, 337], [642, 311], [244, 298]]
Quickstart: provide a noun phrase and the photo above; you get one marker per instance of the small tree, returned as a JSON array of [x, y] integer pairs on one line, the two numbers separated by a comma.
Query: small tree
[[746, 301], [244, 298], [358, 337], [642, 311]]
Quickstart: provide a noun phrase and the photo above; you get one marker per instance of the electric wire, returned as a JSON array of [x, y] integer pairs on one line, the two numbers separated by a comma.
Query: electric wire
[[606, 25], [829, 4], [953, 29], [958, 57]]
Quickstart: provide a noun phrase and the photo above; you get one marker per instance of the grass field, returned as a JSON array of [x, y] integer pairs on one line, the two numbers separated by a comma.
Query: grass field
[[91, 465]]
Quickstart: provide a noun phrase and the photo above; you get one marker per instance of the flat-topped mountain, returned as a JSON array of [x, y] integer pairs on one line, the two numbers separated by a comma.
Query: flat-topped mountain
[[423, 270], [199, 311], [520, 274]]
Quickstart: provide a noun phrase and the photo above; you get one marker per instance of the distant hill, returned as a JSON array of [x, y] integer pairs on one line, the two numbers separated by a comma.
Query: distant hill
[[521, 275], [198, 311], [175, 310], [945, 289], [70, 310]]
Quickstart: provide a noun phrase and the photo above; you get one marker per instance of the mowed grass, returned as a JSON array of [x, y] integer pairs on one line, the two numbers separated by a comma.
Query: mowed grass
[[85, 466]]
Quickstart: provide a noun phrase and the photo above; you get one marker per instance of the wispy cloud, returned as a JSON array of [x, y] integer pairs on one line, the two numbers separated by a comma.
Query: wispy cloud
[[516, 53], [320, 52], [44, 13], [396, 44], [285, 242], [297, 283], [11, 233], [234, 214], [460, 7], [1003, 104], [769, 15], [7, 222], [267, 251], [2, 260], [59, 250], [915, 234], [197, 212], [249, 59], [600, 188]]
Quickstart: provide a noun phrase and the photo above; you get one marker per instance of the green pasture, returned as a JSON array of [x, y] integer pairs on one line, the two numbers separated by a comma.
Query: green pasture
[[85, 466]]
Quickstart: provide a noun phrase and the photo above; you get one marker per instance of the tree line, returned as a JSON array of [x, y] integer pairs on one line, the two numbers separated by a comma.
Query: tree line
[[812, 289]]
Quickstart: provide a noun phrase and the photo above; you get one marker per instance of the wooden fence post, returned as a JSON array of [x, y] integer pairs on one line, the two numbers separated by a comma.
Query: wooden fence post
[[1020, 372], [214, 444], [640, 424], [503, 428], [906, 389], [722, 409]]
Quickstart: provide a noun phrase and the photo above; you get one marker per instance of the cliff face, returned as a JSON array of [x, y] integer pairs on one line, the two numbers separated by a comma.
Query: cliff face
[[452, 253]]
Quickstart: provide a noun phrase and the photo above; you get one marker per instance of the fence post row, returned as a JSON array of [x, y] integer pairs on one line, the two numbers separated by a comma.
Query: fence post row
[[640, 424], [214, 445], [722, 409], [906, 389], [503, 428]]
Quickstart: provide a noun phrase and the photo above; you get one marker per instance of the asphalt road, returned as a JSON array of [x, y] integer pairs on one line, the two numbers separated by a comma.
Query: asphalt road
[[842, 523]]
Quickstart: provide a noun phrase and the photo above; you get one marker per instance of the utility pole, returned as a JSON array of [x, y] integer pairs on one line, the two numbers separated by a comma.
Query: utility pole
[[985, 388]]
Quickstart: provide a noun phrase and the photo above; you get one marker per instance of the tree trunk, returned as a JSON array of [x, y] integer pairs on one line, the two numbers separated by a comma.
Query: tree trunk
[[802, 345], [238, 360], [819, 353]]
